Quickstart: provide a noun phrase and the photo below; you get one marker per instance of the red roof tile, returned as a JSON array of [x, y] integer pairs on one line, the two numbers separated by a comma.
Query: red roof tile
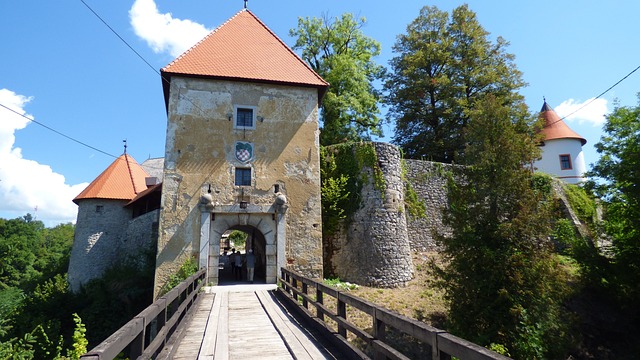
[[555, 128], [244, 48], [122, 180]]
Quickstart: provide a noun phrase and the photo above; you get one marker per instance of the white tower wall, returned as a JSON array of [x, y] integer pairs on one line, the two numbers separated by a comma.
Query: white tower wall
[[550, 162]]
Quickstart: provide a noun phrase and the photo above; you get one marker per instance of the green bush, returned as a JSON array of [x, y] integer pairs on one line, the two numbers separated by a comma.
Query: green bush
[[188, 268]]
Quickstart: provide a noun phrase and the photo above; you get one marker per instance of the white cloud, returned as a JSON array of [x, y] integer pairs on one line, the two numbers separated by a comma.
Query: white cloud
[[593, 114], [162, 32], [25, 184]]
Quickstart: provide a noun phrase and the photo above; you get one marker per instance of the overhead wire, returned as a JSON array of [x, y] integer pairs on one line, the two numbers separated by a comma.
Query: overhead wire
[[595, 98], [58, 132], [138, 54]]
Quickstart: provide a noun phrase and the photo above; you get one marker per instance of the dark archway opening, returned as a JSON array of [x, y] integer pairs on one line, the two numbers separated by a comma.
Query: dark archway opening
[[242, 238]]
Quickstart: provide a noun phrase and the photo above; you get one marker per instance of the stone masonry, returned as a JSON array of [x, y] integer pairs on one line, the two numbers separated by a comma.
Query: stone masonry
[[429, 181], [375, 250]]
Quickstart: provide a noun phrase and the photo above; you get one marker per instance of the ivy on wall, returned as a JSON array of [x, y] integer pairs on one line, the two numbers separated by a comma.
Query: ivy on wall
[[342, 180], [412, 203]]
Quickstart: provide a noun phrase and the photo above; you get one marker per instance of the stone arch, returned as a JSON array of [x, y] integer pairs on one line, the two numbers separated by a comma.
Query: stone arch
[[256, 242], [269, 238]]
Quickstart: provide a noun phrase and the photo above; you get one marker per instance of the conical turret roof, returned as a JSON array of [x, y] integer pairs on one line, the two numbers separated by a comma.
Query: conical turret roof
[[555, 128], [244, 48], [122, 180]]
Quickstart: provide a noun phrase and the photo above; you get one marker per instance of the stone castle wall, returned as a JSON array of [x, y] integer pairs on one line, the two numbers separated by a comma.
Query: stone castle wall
[[374, 250], [429, 180], [97, 239], [102, 239]]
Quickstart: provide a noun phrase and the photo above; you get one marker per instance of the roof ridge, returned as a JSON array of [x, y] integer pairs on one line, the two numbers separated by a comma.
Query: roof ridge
[[133, 182], [202, 40], [284, 44]]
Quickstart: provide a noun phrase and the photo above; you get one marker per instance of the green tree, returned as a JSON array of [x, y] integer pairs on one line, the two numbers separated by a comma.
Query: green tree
[[444, 64], [338, 50], [617, 173], [500, 278], [238, 238]]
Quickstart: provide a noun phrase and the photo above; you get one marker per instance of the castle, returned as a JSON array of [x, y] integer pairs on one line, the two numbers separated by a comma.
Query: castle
[[242, 153]]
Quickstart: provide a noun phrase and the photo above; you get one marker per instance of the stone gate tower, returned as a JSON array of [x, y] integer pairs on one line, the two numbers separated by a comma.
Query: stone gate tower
[[242, 152]]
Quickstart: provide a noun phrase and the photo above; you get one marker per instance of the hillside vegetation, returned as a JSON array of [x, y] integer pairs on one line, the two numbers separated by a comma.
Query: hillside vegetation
[[39, 317]]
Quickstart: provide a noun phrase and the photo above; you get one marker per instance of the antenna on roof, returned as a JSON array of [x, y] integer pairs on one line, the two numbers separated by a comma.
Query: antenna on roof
[[125, 145], [245, 3]]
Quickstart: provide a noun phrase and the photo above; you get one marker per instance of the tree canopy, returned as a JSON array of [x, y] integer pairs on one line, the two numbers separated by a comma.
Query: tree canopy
[[617, 173], [500, 279], [338, 50], [443, 65]]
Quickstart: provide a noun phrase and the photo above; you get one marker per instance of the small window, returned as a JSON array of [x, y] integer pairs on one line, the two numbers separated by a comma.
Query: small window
[[245, 117], [99, 209], [243, 177], [565, 162]]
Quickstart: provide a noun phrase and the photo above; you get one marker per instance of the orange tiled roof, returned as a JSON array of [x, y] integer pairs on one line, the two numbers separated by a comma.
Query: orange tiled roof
[[122, 180], [555, 128], [244, 48]]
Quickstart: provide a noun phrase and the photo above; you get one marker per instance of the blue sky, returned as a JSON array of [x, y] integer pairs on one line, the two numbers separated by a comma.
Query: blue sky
[[66, 69]]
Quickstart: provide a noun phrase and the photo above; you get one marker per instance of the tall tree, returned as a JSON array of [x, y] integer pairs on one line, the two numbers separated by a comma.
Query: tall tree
[[338, 50], [500, 278], [443, 65], [618, 170]]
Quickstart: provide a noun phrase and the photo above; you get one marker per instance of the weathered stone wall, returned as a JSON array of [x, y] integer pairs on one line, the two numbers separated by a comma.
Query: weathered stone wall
[[375, 250], [200, 152], [141, 235], [429, 181], [98, 239]]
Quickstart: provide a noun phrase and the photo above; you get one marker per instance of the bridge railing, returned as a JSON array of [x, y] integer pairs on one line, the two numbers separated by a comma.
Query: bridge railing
[[146, 334], [442, 344]]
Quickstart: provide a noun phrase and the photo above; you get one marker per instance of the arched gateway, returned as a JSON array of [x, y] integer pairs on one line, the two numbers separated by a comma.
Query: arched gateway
[[266, 227], [242, 150]]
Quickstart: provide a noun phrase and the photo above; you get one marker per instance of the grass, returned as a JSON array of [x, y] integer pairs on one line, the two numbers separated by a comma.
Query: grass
[[419, 300]]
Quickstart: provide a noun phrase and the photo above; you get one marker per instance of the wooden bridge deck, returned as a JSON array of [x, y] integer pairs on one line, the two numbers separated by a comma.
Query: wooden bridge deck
[[245, 322]]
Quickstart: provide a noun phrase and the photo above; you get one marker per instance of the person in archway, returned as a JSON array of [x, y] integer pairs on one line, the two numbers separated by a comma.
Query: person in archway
[[232, 262], [238, 265], [250, 260]]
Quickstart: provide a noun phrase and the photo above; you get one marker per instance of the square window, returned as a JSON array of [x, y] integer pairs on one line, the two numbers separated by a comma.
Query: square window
[[99, 208], [243, 177], [245, 117], [565, 162]]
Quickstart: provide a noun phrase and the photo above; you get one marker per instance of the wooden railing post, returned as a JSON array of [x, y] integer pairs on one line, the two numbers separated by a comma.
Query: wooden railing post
[[379, 333], [342, 312], [305, 303], [319, 300], [435, 349], [137, 345]]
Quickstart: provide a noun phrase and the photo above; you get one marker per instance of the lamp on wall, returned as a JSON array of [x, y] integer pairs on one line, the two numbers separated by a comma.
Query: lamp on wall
[[229, 116], [261, 118], [243, 204]]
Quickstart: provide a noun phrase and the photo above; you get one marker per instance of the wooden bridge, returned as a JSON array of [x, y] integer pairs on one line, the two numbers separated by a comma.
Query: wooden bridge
[[300, 319]]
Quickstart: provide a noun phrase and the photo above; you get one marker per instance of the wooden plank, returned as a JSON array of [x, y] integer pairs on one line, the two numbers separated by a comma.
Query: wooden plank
[[222, 338], [298, 343], [189, 346], [251, 333], [208, 343]]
